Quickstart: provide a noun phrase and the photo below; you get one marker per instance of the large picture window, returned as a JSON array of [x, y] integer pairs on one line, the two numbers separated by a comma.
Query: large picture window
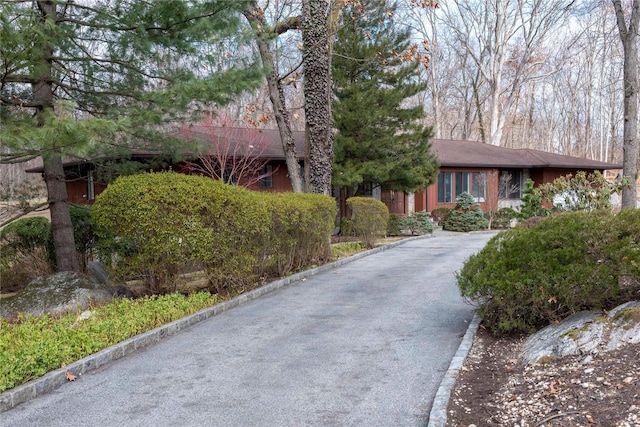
[[474, 183]]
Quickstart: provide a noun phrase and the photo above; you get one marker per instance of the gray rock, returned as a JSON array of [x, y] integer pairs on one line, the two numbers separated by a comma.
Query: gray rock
[[98, 271], [562, 339], [57, 293], [585, 333]]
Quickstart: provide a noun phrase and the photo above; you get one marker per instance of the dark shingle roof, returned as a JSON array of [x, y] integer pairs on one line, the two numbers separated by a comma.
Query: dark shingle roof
[[266, 141], [456, 153]]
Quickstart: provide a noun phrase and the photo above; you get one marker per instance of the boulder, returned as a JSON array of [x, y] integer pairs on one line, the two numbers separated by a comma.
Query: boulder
[[586, 332], [58, 293]]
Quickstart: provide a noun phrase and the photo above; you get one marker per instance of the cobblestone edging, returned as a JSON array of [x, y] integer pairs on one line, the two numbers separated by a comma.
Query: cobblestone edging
[[438, 415]]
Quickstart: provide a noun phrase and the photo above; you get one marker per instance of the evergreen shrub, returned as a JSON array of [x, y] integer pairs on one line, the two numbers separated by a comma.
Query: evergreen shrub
[[157, 227], [393, 226], [529, 277], [418, 223], [369, 218], [466, 216], [26, 233]]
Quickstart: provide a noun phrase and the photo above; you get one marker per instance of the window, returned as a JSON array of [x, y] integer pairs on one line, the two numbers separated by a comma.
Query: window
[[479, 186], [267, 176], [474, 183], [462, 183], [511, 184], [445, 187]]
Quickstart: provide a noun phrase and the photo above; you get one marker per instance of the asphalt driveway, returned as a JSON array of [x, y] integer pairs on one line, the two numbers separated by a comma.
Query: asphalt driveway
[[363, 344]]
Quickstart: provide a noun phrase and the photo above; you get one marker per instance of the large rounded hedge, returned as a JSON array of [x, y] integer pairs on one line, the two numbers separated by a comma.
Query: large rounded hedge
[[527, 278], [156, 227]]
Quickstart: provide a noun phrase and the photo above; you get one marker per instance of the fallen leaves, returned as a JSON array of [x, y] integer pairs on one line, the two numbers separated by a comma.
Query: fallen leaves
[[70, 376]]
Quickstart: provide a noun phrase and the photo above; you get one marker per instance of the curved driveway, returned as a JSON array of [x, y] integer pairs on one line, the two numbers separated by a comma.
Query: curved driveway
[[363, 344]]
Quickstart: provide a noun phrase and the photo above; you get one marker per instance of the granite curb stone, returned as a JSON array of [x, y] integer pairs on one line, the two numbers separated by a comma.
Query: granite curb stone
[[55, 379], [438, 414]]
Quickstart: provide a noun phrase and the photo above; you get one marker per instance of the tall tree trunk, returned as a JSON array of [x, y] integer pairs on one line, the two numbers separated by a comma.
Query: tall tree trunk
[[62, 229], [629, 37], [276, 95], [316, 60]]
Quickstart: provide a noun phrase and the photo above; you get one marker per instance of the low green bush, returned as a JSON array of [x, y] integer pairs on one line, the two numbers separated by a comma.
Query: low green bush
[[529, 277], [501, 220], [24, 252], [26, 233], [394, 225], [369, 218], [157, 227], [418, 223], [466, 216], [300, 230]]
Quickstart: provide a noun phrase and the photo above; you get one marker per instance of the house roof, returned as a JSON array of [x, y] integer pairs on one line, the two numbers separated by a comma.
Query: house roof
[[472, 154], [264, 143], [450, 153]]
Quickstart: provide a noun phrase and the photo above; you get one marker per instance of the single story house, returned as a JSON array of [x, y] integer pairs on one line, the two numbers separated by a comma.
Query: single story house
[[85, 178], [494, 175]]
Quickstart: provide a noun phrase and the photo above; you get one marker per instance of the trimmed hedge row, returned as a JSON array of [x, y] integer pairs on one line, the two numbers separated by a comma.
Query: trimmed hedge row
[[157, 227], [529, 277]]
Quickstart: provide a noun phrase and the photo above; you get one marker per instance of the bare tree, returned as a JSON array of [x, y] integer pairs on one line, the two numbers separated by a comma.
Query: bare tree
[[505, 40], [629, 37], [230, 154]]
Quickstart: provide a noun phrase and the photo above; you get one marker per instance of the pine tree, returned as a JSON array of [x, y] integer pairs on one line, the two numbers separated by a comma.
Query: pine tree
[[379, 139], [83, 77]]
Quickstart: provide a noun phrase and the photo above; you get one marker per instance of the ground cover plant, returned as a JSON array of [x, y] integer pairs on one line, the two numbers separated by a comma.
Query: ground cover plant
[[32, 346], [529, 277]]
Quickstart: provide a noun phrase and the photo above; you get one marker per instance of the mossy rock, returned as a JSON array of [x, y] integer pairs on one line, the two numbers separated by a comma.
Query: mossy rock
[[58, 293]]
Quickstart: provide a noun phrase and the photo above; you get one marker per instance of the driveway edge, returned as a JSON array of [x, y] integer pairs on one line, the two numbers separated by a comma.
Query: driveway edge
[[54, 379], [438, 414]]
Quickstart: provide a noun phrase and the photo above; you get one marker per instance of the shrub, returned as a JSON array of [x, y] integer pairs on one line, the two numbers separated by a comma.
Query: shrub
[[440, 215], [300, 230], [26, 233], [531, 202], [466, 216], [502, 218], [23, 252], [370, 218], [581, 191], [417, 223], [394, 225], [529, 277], [19, 267], [158, 227]]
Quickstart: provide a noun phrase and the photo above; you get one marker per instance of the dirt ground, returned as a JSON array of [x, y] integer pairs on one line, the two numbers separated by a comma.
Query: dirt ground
[[495, 389]]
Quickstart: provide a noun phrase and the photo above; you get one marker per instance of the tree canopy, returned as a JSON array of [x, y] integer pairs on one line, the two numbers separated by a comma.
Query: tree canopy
[[380, 140], [80, 77]]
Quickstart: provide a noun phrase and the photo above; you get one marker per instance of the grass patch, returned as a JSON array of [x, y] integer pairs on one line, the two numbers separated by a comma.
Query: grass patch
[[345, 249], [32, 346]]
